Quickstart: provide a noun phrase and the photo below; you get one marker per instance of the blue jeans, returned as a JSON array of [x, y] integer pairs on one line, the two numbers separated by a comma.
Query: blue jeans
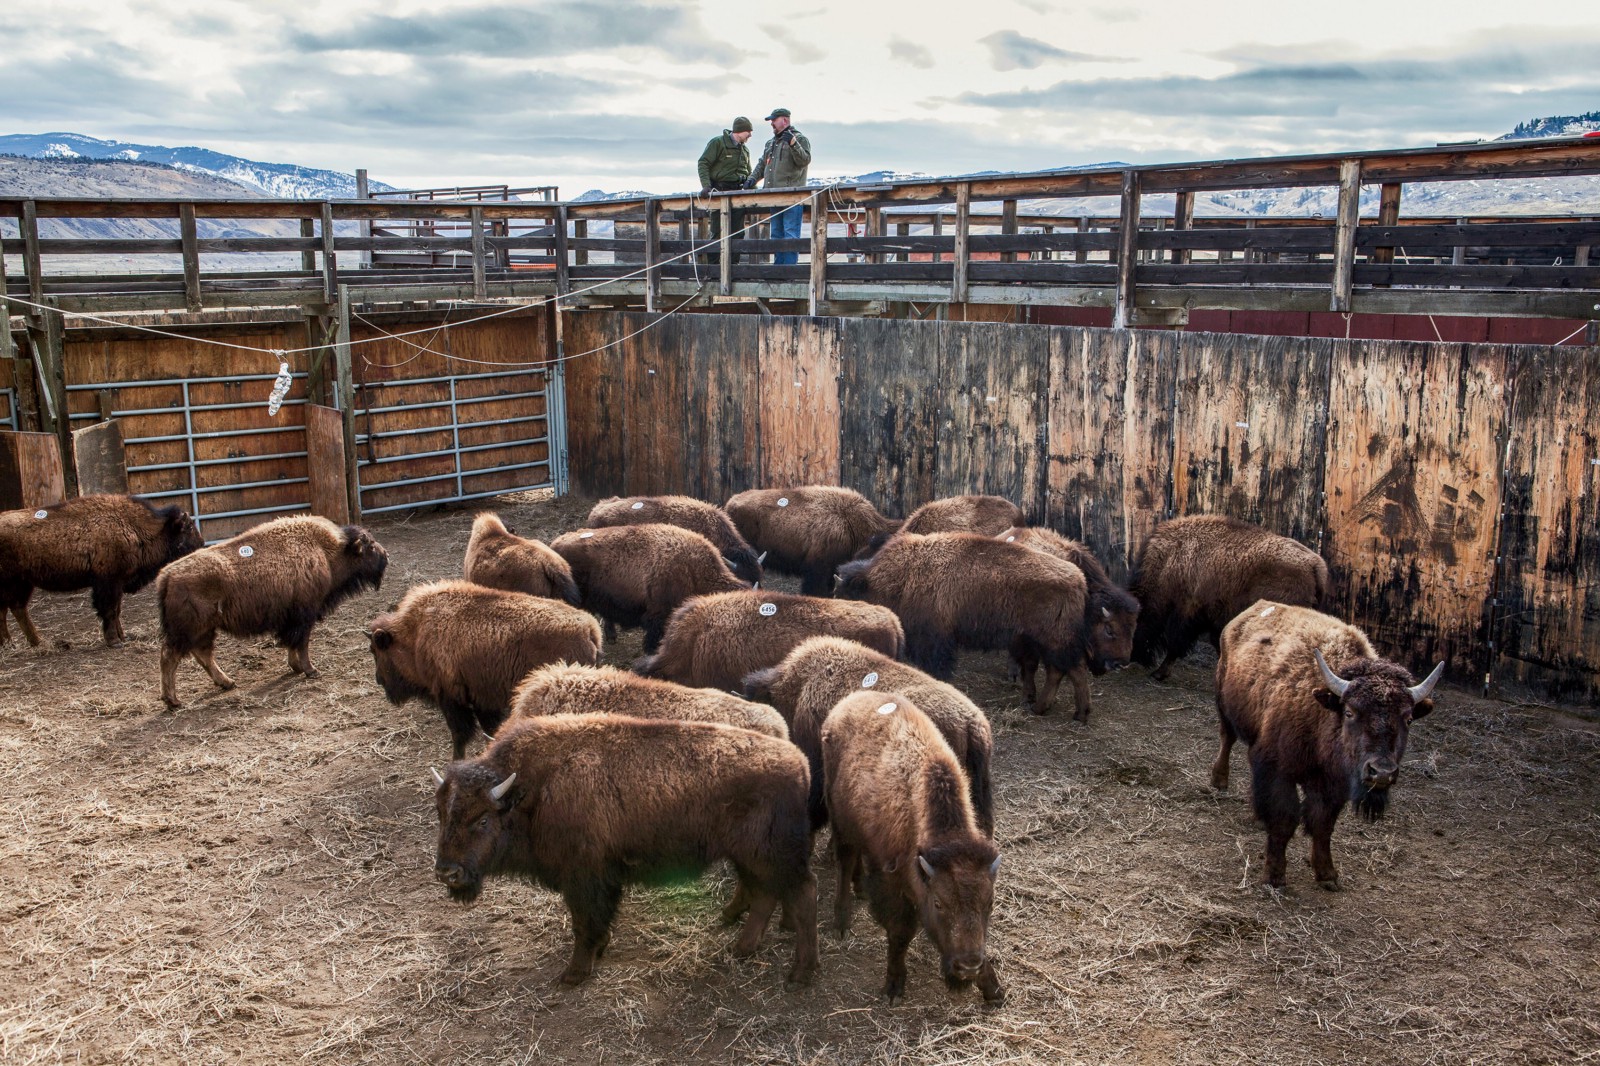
[[786, 225]]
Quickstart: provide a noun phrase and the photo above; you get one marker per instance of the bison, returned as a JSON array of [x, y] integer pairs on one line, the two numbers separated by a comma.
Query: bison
[[706, 519], [585, 803], [112, 545], [281, 577], [964, 590], [1111, 613], [499, 559], [1322, 714], [465, 648], [638, 575], [987, 515], [824, 670], [1196, 573], [808, 531], [564, 689], [900, 808], [716, 641]]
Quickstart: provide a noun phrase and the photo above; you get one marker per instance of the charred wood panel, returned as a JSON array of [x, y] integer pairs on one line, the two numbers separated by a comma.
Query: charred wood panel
[[888, 411], [992, 404]]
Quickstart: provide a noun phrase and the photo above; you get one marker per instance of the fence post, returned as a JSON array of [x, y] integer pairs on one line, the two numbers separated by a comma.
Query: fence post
[[30, 254], [1082, 254], [188, 228], [330, 262], [958, 271], [563, 272], [347, 400], [938, 231], [819, 254], [480, 277], [1344, 239], [725, 248], [1008, 226], [364, 192], [1127, 251], [1183, 218], [652, 255], [580, 232]]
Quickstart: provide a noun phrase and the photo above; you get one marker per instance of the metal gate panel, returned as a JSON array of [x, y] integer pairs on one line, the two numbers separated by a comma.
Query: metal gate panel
[[10, 419]]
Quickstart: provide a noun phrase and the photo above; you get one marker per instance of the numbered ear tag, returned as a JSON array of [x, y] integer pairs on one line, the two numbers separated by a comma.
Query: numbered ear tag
[[1268, 611], [888, 708], [768, 610], [638, 506], [41, 514], [1011, 540], [245, 551], [585, 536], [783, 501], [869, 680]]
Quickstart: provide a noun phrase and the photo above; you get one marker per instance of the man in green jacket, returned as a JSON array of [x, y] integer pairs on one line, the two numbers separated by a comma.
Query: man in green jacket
[[724, 165], [783, 164]]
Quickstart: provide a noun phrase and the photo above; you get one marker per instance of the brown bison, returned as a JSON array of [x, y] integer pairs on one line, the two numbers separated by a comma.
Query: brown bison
[[586, 803], [563, 689], [281, 577], [1111, 612], [706, 519], [112, 545], [824, 670], [987, 515], [899, 804], [499, 559], [962, 590], [808, 531], [638, 575], [1197, 572], [465, 648], [715, 641], [1322, 714]]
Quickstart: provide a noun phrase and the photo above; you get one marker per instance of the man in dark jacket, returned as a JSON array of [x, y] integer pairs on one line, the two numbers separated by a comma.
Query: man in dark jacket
[[784, 162], [724, 165]]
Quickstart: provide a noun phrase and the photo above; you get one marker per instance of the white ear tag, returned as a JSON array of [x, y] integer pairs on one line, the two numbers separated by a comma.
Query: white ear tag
[[869, 680], [1011, 540], [1268, 611], [768, 610], [585, 536], [41, 514], [783, 501], [888, 708], [638, 506], [245, 551]]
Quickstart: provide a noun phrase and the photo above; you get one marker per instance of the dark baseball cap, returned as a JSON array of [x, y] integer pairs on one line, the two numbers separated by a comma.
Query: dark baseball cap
[[784, 111]]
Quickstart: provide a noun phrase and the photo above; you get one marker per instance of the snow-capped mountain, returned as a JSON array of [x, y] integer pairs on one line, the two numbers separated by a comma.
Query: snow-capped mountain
[[274, 179], [1555, 126]]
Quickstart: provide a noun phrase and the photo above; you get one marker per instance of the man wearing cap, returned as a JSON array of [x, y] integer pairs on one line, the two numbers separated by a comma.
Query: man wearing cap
[[783, 164], [724, 165]]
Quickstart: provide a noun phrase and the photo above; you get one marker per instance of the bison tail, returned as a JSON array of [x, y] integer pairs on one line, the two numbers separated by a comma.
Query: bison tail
[[568, 588], [647, 665], [758, 684], [982, 788], [1324, 585]]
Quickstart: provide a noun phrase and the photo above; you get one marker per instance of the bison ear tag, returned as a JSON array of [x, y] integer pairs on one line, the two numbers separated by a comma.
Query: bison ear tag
[[585, 536], [1268, 611], [1011, 540], [768, 610], [41, 514], [783, 501], [245, 551], [888, 708], [638, 506], [869, 680]]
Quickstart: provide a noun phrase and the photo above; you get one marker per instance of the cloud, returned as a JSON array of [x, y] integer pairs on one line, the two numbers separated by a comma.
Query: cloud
[[1010, 50], [910, 53], [554, 29], [791, 47]]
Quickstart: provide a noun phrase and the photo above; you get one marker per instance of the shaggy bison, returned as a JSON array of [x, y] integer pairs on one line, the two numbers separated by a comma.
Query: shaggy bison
[[900, 808], [706, 519], [1197, 572], [715, 641], [963, 590], [464, 648], [499, 559], [638, 575], [808, 531], [987, 515], [563, 689], [281, 577], [112, 545], [1323, 716], [585, 803], [824, 670], [1111, 613]]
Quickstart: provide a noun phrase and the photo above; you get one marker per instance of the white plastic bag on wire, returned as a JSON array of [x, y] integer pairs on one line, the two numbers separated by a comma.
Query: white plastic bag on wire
[[280, 389]]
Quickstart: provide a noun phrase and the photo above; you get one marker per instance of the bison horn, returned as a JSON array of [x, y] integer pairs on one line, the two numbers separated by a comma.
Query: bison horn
[[760, 559], [502, 788], [1335, 683], [1105, 612], [438, 778], [994, 867], [1420, 692], [927, 870]]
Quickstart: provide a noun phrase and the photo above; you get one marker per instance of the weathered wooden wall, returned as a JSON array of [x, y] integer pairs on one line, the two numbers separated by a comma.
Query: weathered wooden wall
[[1450, 486]]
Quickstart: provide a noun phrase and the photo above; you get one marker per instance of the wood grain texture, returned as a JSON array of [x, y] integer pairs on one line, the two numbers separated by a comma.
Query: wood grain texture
[[596, 405], [325, 442], [799, 414], [30, 470], [99, 459], [888, 411], [992, 404], [723, 425]]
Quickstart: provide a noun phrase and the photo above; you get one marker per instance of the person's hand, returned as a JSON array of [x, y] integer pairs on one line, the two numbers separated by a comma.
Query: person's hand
[[749, 183], [705, 192], [787, 135]]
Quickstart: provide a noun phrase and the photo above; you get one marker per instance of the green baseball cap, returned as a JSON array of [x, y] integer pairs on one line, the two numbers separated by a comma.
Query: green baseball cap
[[784, 111]]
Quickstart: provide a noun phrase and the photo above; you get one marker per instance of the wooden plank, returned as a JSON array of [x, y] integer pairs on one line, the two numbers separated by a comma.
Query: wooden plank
[[330, 260], [98, 458], [563, 276], [596, 404], [1344, 244], [653, 373], [1547, 621], [1412, 483], [8, 348], [874, 226], [343, 356], [992, 412], [1182, 219], [652, 256], [191, 257], [480, 284], [1249, 430], [326, 463], [308, 258], [1388, 215], [725, 248], [888, 424], [799, 398], [1008, 227], [722, 425], [958, 257], [1127, 251], [30, 470], [31, 265], [819, 255]]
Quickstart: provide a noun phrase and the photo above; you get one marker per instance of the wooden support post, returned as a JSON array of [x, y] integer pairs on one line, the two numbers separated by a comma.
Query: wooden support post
[[580, 231], [938, 231], [342, 354], [480, 275], [364, 227], [1344, 239], [1183, 218], [902, 229], [330, 261], [1458, 254], [30, 254], [652, 255], [8, 349], [818, 294], [1008, 226], [190, 232], [1127, 251], [308, 259], [563, 271], [53, 382], [875, 229], [1388, 215], [725, 248], [958, 272], [1082, 255]]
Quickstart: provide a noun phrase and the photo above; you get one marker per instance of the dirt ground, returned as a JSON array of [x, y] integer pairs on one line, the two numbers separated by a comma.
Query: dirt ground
[[249, 879]]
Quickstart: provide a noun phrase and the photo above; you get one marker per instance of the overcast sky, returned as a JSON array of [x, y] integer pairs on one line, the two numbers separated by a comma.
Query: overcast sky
[[623, 95]]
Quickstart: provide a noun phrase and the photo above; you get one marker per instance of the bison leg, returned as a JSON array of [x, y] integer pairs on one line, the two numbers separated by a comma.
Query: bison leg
[[593, 905], [1219, 769], [1047, 695], [23, 620], [206, 655], [1080, 692], [930, 651], [734, 909], [170, 658], [844, 897], [900, 922], [1320, 818], [300, 658], [654, 630], [462, 723], [762, 904], [1025, 660], [107, 600], [800, 905], [1278, 806]]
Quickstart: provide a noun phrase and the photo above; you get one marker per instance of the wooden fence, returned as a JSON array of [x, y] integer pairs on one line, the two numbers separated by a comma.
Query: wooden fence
[[1451, 487]]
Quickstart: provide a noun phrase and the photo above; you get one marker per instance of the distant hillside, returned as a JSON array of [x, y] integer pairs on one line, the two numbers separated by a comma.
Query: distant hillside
[[1556, 126]]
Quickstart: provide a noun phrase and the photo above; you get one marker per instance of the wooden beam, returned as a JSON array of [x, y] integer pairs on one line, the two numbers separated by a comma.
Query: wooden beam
[[875, 229], [1183, 219], [31, 264], [1082, 253], [1344, 240], [1127, 251], [580, 232], [1388, 215], [819, 255], [364, 192], [330, 261], [652, 255], [938, 230], [308, 258], [480, 275], [1008, 227], [958, 258], [343, 354], [725, 248], [563, 269], [903, 230], [189, 231], [8, 348]]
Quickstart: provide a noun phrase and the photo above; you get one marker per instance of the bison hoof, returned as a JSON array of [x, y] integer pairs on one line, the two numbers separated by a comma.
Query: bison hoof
[[741, 950], [731, 914], [172, 701], [114, 642], [995, 998], [572, 976], [227, 686], [311, 671], [1160, 674], [1219, 782], [800, 976], [1081, 716], [1329, 884]]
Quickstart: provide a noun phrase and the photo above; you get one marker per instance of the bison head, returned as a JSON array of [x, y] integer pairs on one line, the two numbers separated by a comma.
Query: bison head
[[474, 802], [954, 889], [1111, 617], [182, 533], [745, 564], [391, 658], [366, 557], [851, 582], [1377, 701]]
